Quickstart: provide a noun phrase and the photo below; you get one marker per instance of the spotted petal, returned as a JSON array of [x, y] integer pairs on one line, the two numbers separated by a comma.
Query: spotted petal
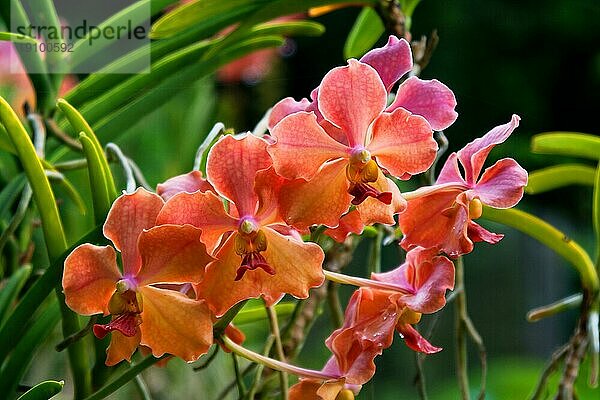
[[175, 324], [129, 215], [351, 98], [297, 268], [89, 279]]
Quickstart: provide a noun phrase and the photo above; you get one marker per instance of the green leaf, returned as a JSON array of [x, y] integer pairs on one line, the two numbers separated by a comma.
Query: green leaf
[[80, 125], [408, 6], [567, 144], [16, 38], [254, 314], [558, 176], [135, 14], [16, 324], [10, 192], [596, 214], [42, 192], [22, 354], [61, 181], [549, 236], [365, 32], [11, 290], [290, 28], [43, 391], [124, 117], [101, 198], [5, 142], [197, 12]]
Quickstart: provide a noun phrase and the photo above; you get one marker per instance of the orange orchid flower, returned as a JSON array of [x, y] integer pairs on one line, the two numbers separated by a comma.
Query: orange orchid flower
[[343, 162], [143, 311], [442, 215], [256, 253]]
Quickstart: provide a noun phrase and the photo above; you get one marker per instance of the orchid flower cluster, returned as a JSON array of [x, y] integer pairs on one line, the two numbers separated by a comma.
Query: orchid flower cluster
[[201, 245]]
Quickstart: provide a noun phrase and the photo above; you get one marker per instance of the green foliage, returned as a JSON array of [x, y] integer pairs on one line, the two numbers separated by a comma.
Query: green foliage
[[550, 178], [568, 144], [43, 391], [365, 32]]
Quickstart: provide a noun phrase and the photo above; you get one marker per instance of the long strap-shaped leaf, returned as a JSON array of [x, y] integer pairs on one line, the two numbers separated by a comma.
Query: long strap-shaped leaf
[[546, 179], [551, 238], [568, 144]]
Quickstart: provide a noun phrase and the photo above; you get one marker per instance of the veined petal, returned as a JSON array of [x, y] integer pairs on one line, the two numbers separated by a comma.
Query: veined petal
[[473, 155], [403, 143], [321, 200], [175, 324], [427, 274], [502, 184], [232, 165], [450, 172], [302, 146], [297, 268], [439, 220], [415, 341], [190, 183], [267, 186], [89, 279], [351, 98], [374, 211], [121, 347], [284, 108], [172, 254], [202, 210], [129, 215], [429, 98], [349, 223], [391, 61]]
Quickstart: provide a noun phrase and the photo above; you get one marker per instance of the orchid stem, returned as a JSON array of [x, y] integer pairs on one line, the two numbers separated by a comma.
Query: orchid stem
[[360, 282], [550, 368], [283, 378], [335, 307], [239, 379], [142, 388], [375, 253], [260, 368], [460, 309], [275, 364], [69, 340]]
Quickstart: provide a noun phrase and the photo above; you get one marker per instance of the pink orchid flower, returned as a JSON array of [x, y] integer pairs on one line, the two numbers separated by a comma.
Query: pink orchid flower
[[443, 216], [190, 183], [143, 311], [329, 174], [256, 253], [374, 314]]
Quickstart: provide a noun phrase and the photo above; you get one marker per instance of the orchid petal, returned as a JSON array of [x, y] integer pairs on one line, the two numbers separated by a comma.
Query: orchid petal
[[473, 155], [302, 146], [479, 234], [175, 324], [430, 99], [439, 220], [267, 186], [284, 108], [374, 211], [403, 143], [232, 166], [321, 200], [202, 210], [427, 275], [415, 341], [89, 279], [129, 215], [450, 172], [502, 184], [313, 389], [297, 268], [351, 98], [391, 61], [172, 254], [349, 223], [190, 183], [121, 347]]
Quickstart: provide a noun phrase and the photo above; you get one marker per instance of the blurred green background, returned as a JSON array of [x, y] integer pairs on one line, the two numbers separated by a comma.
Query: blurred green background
[[540, 60]]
